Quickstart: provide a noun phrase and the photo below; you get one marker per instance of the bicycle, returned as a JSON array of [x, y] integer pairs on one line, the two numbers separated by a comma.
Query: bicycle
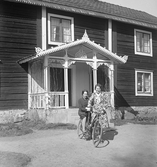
[[100, 122], [96, 127]]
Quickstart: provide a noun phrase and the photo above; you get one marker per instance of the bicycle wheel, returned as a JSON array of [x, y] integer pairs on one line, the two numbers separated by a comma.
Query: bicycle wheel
[[97, 133], [80, 130]]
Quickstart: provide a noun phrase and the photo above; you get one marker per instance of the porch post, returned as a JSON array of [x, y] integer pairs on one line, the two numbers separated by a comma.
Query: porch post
[[66, 87], [46, 80], [111, 76], [66, 81], [111, 69], [94, 70], [29, 86], [110, 35]]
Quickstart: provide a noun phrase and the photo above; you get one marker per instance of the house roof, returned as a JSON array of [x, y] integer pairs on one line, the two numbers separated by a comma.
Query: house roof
[[98, 9], [84, 45]]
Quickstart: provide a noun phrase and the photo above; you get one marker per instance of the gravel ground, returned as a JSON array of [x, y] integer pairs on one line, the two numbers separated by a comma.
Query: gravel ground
[[130, 145]]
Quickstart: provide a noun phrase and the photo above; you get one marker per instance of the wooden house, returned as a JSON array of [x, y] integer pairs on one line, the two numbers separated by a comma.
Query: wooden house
[[53, 49]]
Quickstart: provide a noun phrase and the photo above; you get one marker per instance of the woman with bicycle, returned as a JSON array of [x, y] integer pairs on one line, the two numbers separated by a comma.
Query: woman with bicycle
[[98, 104]]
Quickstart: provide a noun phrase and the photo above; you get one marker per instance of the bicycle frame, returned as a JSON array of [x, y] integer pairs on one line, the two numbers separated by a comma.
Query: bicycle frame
[[98, 125]]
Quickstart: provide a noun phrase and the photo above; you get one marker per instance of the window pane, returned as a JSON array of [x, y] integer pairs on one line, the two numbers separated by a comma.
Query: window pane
[[55, 29], [146, 43], [147, 82], [66, 29], [139, 81], [139, 41], [56, 79], [143, 42]]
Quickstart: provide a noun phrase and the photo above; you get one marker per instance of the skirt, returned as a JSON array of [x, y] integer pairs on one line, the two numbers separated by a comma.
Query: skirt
[[82, 114]]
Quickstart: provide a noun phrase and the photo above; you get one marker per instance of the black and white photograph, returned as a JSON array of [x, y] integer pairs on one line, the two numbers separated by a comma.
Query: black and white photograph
[[78, 83]]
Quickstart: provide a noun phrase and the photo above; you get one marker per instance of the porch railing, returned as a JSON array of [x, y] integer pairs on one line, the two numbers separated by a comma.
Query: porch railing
[[50, 100], [56, 99], [47, 100], [37, 100]]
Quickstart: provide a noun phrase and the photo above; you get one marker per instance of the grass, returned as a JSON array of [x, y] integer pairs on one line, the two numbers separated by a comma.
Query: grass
[[41, 125], [137, 120], [26, 127], [11, 129], [58, 126]]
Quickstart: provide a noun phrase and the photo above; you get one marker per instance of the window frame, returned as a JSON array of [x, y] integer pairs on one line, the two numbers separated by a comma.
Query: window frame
[[49, 29], [151, 82], [135, 43]]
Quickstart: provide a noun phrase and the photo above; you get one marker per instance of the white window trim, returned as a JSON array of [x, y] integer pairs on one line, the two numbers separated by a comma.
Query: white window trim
[[64, 17], [141, 53], [143, 71]]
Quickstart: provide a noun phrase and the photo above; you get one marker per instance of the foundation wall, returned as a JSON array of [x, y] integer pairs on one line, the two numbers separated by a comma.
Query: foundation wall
[[67, 115]]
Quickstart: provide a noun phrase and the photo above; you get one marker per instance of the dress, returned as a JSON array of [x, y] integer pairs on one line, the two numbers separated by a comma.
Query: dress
[[82, 105], [99, 101]]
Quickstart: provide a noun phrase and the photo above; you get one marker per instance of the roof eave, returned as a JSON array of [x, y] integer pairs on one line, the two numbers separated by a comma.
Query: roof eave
[[87, 12]]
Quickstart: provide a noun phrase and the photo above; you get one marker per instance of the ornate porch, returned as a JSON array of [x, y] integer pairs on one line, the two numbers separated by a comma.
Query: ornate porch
[[83, 58]]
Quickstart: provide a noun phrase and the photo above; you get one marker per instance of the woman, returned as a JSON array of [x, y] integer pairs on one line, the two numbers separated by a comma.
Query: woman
[[99, 101], [83, 102]]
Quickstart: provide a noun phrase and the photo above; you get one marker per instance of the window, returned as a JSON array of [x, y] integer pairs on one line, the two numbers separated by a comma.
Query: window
[[143, 83], [143, 42], [60, 29], [56, 79], [102, 77]]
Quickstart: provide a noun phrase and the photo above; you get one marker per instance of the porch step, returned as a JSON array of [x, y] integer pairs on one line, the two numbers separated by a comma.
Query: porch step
[[62, 116], [73, 116]]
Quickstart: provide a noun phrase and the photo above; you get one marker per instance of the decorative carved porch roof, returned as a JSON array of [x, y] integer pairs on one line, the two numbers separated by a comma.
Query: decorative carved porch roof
[[84, 42]]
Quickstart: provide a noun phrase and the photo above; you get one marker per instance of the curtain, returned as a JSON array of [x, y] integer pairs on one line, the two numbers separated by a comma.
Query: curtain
[[147, 83], [146, 43], [139, 42], [139, 82], [55, 29], [143, 42], [66, 30], [56, 79]]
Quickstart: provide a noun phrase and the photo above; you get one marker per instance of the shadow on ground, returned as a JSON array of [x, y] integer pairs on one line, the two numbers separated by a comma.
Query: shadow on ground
[[108, 134], [12, 159]]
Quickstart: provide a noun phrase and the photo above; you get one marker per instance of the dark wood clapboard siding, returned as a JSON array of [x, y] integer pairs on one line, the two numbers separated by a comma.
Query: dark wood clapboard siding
[[13, 103], [96, 27], [125, 90], [98, 37], [18, 38]]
